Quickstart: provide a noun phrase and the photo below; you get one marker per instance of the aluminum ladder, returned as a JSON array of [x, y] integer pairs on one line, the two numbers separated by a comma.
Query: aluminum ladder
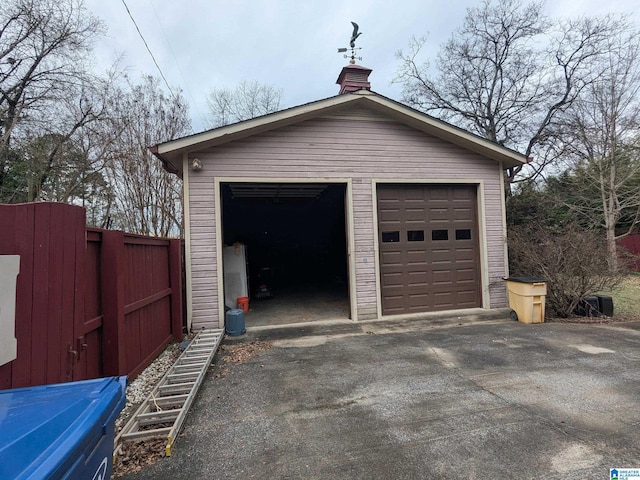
[[162, 413]]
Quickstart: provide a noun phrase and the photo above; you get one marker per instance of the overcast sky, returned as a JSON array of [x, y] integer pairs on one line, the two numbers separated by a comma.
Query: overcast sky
[[289, 44]]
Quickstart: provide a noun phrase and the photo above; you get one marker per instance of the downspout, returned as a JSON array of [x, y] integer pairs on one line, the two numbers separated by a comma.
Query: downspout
[[186, 218], [503, 206]]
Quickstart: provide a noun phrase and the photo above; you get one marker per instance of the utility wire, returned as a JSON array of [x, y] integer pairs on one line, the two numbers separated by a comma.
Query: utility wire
[[186, 84], [149, 50]]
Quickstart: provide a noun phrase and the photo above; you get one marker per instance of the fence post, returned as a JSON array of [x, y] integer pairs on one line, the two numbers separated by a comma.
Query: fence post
[[113, 334], [175, 277]]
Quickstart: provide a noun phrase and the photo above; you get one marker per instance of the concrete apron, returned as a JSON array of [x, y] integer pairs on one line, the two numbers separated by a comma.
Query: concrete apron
[[403, 323], [473, 399]]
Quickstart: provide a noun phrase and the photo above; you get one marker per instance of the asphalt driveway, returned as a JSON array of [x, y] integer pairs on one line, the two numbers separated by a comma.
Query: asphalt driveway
[[491, 399]]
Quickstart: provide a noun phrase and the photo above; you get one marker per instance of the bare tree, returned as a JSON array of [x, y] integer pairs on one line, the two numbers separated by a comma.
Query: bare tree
[[602, 134], [57, 165], [69, 136], [506, 74], [247, 100], [147, 199], [43, 44]]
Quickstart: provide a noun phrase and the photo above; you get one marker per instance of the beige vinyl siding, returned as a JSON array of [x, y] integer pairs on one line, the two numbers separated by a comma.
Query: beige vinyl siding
[[204, 280], [356, 144], [496, 240]]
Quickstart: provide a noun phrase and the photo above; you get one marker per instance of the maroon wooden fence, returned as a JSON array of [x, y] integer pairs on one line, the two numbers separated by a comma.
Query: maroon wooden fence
[[89, 302], [631, 243]]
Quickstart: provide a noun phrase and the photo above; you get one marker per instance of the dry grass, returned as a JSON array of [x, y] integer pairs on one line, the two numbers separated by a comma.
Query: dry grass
[[626, 299], [626, 304]]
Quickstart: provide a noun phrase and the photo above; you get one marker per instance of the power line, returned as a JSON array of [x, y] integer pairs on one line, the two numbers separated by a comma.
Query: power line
[[150, 52], [186, 84]]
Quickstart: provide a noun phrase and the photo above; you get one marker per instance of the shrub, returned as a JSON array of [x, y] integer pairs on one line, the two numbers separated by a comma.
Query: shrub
[[572, 262]]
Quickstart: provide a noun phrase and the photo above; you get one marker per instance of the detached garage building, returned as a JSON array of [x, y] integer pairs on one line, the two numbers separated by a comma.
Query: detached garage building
[[355, 199]]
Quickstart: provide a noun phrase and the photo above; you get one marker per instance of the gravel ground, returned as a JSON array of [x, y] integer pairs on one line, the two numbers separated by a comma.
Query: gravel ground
[[139, 389], [135, 455]]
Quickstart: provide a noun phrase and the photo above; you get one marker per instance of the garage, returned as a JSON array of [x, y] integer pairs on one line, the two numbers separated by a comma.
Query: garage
[[428, 248], [350, 208], [295, 239]]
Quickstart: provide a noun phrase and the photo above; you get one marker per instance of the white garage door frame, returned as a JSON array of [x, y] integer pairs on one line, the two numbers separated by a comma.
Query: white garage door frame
[[482, 233], [349, 230]]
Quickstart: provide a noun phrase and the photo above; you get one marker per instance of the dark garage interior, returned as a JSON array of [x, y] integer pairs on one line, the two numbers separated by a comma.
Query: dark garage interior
[[296, 248]]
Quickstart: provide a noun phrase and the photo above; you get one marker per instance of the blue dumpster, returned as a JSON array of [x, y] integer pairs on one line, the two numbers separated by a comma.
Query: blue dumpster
[[61, 431]]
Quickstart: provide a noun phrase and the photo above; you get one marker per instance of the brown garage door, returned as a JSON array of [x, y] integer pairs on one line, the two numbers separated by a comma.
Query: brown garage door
[[429, 249]]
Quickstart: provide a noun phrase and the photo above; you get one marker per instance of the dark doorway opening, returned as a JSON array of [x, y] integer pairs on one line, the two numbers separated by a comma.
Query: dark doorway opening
[[296, 244]]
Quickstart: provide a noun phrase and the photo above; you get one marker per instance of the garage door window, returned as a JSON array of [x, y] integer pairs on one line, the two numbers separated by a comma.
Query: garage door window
[[464, 234], [438, 235], [415, 236], [390, 237]]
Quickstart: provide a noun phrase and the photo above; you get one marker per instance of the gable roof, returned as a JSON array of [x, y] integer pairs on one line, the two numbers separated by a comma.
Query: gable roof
[[171, 153]]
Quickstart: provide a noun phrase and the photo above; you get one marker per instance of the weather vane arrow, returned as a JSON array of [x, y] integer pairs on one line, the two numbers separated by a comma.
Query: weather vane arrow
[[352, 44]]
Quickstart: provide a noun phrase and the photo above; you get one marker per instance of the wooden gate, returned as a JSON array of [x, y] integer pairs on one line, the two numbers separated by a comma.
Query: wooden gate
[[50, 240], [89, 302]]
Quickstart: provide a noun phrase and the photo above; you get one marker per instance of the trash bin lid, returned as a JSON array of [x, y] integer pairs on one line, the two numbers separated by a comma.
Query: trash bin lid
[[45, 427], [526, 279]]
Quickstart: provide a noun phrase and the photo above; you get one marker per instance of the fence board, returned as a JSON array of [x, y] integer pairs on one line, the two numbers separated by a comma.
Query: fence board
[[148, 300], [21, 243], [631, 243], [72, 225], [113, 334], [89, 302], [13, 225], [39, 301], [90, 364]]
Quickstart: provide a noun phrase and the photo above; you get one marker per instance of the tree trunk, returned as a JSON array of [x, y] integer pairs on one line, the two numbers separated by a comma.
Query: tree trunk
[[612, 249]]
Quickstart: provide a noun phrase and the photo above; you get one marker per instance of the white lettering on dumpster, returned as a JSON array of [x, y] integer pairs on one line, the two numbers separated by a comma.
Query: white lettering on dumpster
[[101, 472]]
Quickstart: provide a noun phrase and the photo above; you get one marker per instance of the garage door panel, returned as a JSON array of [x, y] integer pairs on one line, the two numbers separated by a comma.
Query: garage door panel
[[434, 193], [441, 257], [419, 272], [416, 222], [413, 258], [412, 210], [442, 277], [461, 215], [465, 276], [466, 299], [416, 300], [465, 255], [389, 221], [392, 258], [439, 215], [393, 253], [393, 278], [429, 247], [467, 267], [463, 194], [443, 300]]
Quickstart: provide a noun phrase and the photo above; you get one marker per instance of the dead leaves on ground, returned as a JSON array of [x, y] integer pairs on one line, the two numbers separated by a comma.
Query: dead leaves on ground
[[134, 456], [240, 353]]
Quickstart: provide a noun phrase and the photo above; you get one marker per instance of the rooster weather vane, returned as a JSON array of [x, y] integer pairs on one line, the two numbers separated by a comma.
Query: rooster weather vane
[[352, 44]]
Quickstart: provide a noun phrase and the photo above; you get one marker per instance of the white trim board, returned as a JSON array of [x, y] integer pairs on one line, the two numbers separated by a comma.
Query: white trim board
[[349, 231]]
